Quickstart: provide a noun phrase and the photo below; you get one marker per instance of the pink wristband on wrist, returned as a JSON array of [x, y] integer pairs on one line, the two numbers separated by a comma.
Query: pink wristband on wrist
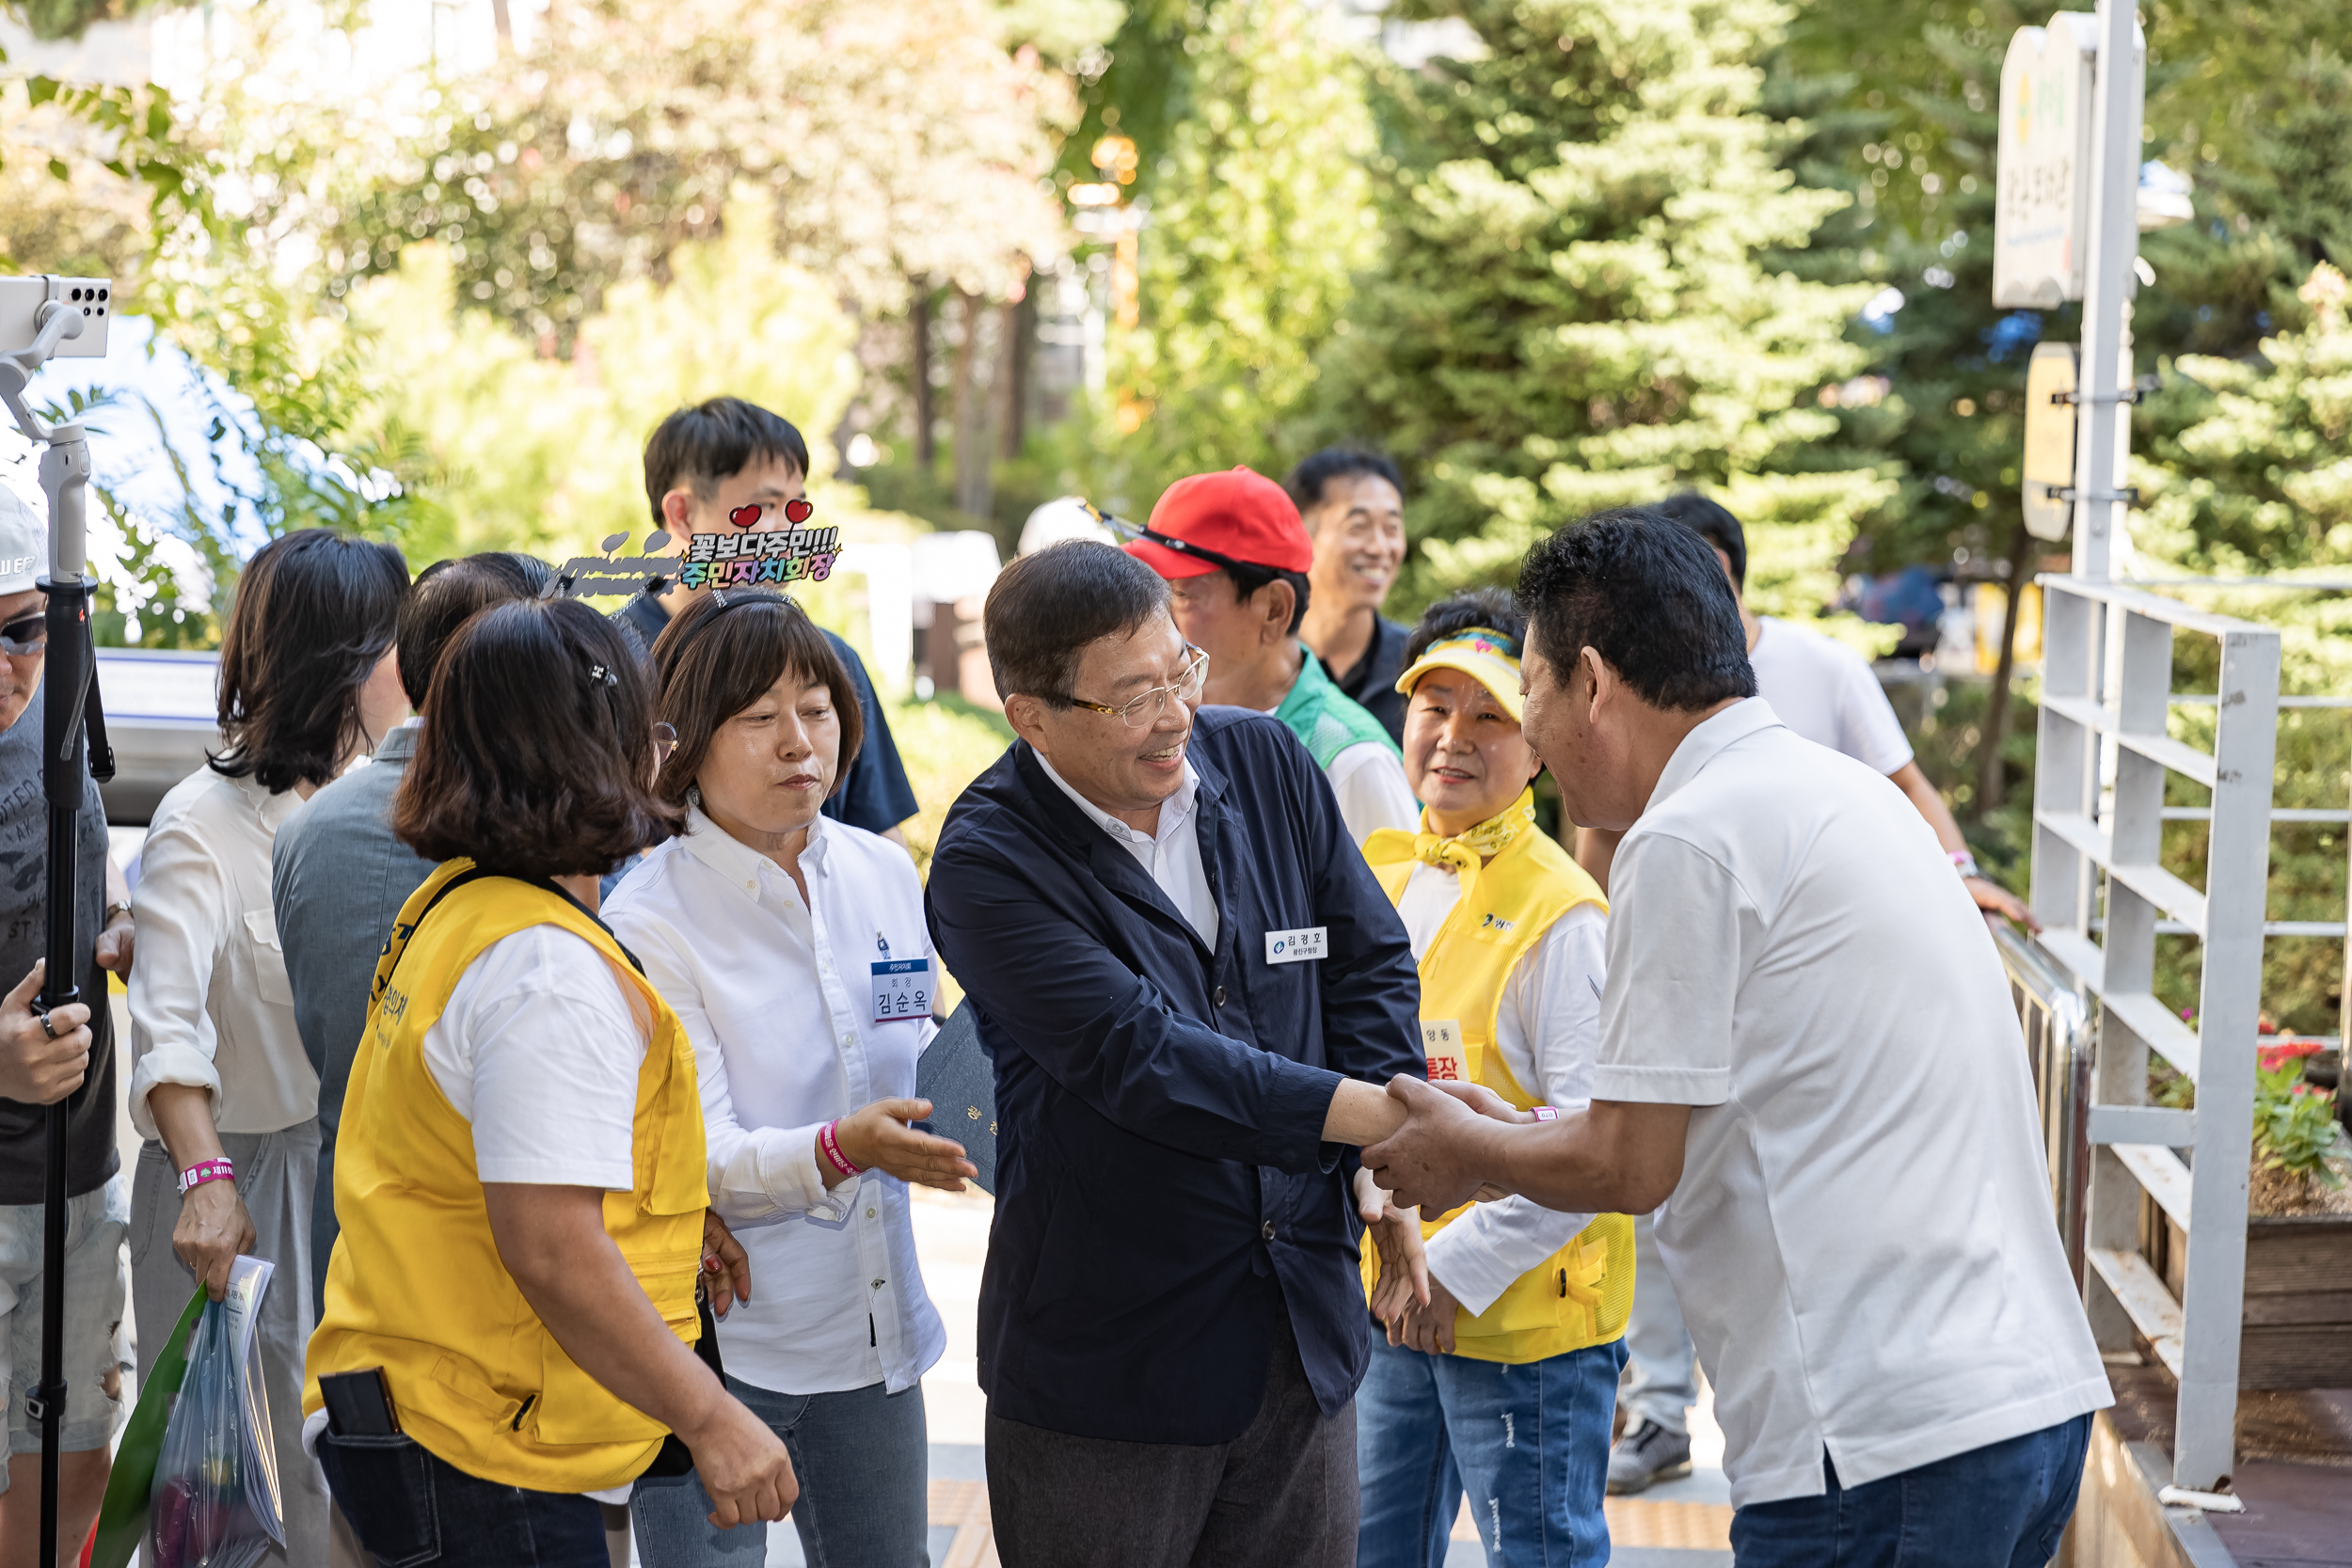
[[203, 1171], [830, 1147], [1545, 1113]]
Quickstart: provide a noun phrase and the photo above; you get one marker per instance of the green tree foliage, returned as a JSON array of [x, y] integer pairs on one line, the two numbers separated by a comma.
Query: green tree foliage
[[542, 455], [2247, 468], [893, 141], [1916, 95], [1261, 219], [1574, 308], [173, 221]]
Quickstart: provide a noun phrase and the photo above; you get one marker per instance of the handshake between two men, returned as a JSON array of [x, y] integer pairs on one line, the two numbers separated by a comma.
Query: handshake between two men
[[1435, 1147]]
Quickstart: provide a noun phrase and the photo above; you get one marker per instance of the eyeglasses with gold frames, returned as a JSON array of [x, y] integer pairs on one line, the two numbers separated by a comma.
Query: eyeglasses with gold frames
[[1144, 709]]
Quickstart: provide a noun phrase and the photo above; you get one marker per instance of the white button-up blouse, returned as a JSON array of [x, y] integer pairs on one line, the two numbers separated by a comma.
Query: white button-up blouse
[[211, 1006], [779, 997]]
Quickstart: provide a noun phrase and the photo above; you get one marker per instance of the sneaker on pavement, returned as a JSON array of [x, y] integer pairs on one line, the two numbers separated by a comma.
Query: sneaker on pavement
[[1646, 1454]]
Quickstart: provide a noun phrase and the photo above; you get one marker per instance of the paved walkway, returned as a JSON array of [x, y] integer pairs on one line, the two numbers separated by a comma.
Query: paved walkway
[[1684, 1524]]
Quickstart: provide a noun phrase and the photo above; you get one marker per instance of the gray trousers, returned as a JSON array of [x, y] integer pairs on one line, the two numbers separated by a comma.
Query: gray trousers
[[274, 1174], [1282, 1495], [1662, 1369]]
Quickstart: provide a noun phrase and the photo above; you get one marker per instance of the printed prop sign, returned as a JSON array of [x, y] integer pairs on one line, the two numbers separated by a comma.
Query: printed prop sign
[[738, 559]]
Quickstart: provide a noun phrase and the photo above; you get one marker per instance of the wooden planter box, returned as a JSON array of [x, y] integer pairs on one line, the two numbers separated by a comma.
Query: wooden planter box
[[2299, 1294]]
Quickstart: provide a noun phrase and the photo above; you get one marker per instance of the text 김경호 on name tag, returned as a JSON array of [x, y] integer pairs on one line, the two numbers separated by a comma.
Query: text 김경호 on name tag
[[1293, 947]]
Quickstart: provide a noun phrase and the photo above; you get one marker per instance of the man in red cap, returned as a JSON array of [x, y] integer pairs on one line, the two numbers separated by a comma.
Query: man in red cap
[[1235, 556]]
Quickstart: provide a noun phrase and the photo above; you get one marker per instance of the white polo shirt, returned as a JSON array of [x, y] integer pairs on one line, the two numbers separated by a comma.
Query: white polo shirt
[[1824, 691], [1862, 1239]]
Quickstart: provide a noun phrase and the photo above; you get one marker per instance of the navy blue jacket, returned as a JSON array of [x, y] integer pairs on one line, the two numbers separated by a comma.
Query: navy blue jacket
[[1162, 1188]]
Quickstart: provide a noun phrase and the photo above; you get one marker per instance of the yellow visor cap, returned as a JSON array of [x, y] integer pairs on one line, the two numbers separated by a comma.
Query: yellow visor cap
[[1481, 653]]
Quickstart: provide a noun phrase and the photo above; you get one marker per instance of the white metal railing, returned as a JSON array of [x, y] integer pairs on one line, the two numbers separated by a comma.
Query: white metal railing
[[2103, 755]]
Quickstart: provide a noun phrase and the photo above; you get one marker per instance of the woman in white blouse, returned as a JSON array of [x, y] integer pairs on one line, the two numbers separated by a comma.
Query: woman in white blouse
[[794, 949], [220, 1084]]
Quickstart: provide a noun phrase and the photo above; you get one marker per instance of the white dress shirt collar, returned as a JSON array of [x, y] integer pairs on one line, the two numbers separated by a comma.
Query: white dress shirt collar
[[1174, 812], [738, 860], [271, 808]]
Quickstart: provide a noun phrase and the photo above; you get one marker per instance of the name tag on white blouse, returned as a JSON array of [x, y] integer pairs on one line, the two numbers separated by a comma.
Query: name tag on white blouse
[[1441, 1042], [902, 989], [1296, 947]]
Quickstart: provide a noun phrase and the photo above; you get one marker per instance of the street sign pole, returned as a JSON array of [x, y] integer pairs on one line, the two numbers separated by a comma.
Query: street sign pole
[[2102, 427]]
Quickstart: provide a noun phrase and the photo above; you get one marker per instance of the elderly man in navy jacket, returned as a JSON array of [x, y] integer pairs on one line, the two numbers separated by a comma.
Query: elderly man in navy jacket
[[1189, 985]]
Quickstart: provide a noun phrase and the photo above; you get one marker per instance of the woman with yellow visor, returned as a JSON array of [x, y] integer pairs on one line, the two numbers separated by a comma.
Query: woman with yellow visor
[[1504, 1384]]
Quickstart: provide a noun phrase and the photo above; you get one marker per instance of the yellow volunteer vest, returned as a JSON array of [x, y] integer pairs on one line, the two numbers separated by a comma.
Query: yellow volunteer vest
[[416, 1285], [1582, 1294]]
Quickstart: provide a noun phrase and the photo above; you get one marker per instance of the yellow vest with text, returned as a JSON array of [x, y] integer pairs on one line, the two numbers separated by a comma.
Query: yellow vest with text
[[416, 1285], [1582, 1294]]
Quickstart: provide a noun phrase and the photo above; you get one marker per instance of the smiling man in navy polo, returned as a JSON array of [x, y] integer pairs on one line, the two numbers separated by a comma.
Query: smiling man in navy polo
[[1189, 985]]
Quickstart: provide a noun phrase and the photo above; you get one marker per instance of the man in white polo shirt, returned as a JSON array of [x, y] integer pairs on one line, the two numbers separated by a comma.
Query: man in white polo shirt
[[1808, 1057], [1824, 691]]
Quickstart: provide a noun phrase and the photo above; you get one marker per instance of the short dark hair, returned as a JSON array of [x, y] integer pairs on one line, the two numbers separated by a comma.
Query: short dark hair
[[716, 440], [1248, 576], [717, 657], [1047, 605], [1710, 521], [1306, 482], [313, 613], [1646, 594], [536, 757], [445, 594], [1491, 607]]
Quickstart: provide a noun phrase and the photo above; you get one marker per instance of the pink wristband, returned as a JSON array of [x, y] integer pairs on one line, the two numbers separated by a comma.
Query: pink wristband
[[830, 1147], [203, 1171], [1545, 1113]]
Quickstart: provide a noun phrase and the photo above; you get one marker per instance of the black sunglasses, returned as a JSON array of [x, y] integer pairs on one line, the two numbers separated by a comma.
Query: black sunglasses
[[26, 634]]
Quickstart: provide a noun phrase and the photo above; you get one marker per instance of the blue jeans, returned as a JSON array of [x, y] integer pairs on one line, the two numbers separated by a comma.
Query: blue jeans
[[1530, 1444], [2001, 1506], [409, 1508], [862, 1460]]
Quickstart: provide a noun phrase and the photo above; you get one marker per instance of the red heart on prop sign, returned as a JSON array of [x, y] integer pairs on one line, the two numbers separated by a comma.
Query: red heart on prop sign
[[797, 511], [745, 517]]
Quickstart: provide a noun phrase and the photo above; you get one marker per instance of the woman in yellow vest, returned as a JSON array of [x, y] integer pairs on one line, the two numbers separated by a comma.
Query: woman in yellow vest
[[510, 1308], [1504, 1384]]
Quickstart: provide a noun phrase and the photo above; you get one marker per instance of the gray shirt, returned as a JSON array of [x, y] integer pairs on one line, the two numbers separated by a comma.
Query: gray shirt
[[338, 878]]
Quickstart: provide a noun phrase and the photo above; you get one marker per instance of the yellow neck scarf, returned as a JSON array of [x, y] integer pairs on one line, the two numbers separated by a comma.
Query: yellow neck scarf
[[1470, 850]]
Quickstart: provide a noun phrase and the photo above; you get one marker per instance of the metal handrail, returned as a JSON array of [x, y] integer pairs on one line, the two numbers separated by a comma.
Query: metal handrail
[[2057, 1044]]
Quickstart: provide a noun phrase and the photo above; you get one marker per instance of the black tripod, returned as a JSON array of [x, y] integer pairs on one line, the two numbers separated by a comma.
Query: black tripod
[[70, 705]]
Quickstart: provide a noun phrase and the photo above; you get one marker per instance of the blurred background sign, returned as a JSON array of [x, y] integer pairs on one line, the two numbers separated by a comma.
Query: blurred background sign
[[2040, 233], [2049, 466]]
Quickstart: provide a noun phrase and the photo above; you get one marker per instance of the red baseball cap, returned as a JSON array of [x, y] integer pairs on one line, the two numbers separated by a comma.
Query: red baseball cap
[[1236, 517]]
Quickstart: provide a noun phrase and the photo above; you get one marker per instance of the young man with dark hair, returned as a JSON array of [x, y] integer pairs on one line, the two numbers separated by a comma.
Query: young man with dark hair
[[1808, 1057], [1235, 557], [703, 464], [1352, 501], [1190, 985]]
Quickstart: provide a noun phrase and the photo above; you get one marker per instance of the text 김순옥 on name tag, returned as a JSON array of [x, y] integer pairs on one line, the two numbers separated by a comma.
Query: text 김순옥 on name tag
[[902, 989], [1293, 947]]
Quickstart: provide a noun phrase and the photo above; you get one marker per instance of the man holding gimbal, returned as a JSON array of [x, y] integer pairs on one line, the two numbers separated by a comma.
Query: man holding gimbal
[[41, 1062]]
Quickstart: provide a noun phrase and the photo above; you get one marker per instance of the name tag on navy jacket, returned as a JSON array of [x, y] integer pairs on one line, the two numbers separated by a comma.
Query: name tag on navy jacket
[[1295, 947]]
